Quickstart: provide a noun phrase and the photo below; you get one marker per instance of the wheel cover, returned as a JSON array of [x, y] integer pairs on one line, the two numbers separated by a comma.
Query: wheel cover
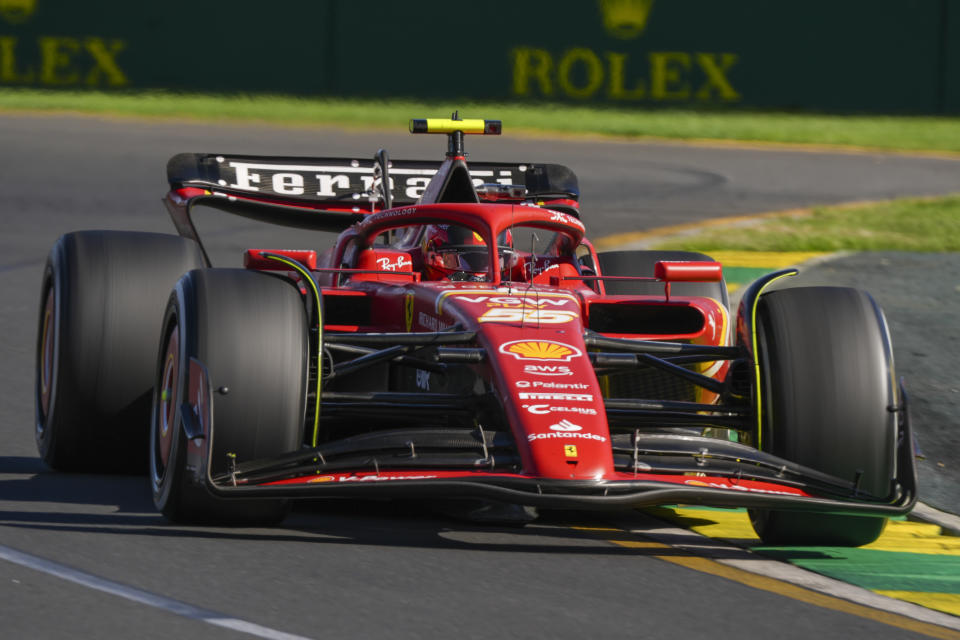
[[46, 353], [167, 405]]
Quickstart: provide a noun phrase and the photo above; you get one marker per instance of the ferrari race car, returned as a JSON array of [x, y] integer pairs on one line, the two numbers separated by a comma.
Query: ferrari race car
[[460, 341]]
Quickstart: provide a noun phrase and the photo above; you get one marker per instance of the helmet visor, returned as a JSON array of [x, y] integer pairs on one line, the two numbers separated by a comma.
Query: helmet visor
[[465, 258]]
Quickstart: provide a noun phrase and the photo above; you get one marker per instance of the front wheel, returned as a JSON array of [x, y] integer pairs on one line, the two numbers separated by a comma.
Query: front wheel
[[827, 386], [250, 331]]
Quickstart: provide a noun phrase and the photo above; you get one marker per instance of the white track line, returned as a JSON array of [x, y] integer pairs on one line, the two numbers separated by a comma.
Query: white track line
[[946, 521], [143, 597], [740, 558]]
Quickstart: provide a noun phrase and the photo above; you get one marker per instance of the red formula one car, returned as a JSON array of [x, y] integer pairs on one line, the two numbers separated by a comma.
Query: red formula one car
[[461, 340]]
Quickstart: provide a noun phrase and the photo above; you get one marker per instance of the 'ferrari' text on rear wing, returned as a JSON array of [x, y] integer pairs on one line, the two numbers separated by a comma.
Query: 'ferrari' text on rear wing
[[351, 182]]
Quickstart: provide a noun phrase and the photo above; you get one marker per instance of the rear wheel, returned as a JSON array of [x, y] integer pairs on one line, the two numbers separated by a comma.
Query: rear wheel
[[101, 302], [250, 331], [827, 385]]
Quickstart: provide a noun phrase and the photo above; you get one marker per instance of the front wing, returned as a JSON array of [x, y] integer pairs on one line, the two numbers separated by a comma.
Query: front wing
[[704, 471]]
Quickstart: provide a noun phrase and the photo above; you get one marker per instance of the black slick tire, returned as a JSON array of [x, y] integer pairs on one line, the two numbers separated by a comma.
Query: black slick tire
[[250, 331], [827, 386], [101, 304]]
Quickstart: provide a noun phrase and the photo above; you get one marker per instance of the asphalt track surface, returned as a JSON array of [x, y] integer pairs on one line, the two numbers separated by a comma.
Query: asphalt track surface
[[369, 570]]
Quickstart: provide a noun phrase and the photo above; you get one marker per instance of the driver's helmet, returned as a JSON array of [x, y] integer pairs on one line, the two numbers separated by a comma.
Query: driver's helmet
[[457, 253], [454, 252]]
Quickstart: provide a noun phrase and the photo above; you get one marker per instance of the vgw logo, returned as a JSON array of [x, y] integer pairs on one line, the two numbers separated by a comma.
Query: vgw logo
[[17, 11], [625, 19]]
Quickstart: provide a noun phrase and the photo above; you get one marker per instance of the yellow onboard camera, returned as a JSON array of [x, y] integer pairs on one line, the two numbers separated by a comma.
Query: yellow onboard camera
[[447, 125]]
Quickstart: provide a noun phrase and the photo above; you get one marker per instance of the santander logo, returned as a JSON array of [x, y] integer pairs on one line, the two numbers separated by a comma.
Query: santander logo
[[565, 425], [567, 430]]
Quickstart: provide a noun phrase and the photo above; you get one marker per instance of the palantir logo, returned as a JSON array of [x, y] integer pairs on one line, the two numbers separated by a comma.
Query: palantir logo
[[565, 425], [625, 19], [17, 11]]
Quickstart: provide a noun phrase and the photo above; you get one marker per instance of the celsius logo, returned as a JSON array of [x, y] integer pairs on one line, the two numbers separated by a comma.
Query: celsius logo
[[565, 425], [540, 350], [544, 409]]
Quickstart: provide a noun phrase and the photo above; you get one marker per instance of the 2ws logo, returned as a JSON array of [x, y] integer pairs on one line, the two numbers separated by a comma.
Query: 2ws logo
[[548, 369], [542, 350]]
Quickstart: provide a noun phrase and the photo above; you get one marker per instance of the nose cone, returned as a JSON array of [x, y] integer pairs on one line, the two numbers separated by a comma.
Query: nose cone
[[552, 400], [543, 377]]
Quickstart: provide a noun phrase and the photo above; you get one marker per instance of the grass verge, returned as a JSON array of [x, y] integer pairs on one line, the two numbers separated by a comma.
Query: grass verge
[[909, 224], [899, 133]]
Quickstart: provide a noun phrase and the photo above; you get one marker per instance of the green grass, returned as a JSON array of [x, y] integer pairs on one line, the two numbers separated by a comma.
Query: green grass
[[880, 132], [910, 224]]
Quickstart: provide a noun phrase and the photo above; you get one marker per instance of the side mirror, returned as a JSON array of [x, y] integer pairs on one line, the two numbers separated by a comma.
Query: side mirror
[[668, 272]]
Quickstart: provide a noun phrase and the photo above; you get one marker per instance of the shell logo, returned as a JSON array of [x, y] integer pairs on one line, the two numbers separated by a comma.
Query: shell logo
[[540, 350]]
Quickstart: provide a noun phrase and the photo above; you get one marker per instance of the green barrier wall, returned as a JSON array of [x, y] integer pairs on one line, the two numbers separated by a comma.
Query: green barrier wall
[[950, 101], [885, 56]]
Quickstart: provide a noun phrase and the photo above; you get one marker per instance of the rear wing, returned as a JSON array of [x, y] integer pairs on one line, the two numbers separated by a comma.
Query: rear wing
[[330, 194]]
